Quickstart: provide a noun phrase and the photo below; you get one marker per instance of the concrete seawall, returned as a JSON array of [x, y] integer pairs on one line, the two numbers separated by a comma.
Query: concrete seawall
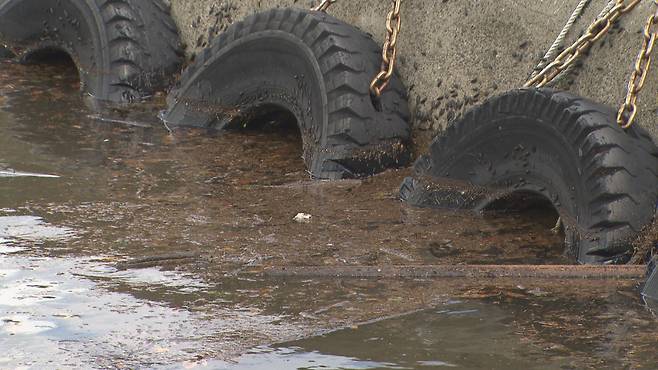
[[465, 50]]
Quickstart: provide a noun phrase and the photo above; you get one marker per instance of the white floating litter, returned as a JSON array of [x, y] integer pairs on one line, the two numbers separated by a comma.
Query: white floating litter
[[12, 173], [303, 218]]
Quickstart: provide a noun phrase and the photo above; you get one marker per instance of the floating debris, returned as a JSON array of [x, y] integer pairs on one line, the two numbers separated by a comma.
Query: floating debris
[[303, 218], [13, 173], [99, 118]]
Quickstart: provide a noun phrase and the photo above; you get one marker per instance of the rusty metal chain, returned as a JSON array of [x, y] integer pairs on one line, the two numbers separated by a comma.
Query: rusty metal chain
[[323, 6], [594, 32], [390, 51], [628, 110]]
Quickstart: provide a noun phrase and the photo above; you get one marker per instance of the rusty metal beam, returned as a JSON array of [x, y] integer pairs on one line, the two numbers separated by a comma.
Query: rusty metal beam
[[464, 271]]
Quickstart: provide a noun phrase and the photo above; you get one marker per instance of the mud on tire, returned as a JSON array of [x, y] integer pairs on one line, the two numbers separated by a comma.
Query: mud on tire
[[308, 64], [602, 180], [124, 49]]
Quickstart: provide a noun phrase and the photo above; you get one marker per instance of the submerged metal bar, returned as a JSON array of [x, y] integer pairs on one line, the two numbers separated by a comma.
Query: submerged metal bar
[[150, 261], [465, 271]]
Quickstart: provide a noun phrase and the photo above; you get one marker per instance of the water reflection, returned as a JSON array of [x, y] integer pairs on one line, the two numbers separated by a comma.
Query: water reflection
[[133, 191], [21, 229], [48, 307], [287, 359]]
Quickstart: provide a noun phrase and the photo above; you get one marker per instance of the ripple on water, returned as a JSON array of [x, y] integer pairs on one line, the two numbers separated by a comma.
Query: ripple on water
[[62, 306], [17, 229]]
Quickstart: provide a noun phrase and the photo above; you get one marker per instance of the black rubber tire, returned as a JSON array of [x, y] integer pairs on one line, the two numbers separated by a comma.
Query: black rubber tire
[[124, 49], [602, 180], [311, 65]]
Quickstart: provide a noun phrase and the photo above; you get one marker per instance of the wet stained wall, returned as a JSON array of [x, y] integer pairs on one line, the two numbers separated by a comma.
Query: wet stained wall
[[455, 53]]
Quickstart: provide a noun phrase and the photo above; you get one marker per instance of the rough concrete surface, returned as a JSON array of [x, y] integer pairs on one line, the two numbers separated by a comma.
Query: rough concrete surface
[[456, 53]]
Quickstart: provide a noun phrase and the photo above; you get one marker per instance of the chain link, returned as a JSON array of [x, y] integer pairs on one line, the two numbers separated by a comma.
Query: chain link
[[628, 110], [390, 51], [323, 6], [595, 32]]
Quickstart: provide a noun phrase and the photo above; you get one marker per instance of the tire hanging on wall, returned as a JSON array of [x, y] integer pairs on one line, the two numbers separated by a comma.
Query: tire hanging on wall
[[602, 180], [308, 64], [124, 49]]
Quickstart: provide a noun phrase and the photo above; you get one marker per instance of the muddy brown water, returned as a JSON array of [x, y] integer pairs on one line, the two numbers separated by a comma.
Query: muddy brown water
[[80, 198]]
